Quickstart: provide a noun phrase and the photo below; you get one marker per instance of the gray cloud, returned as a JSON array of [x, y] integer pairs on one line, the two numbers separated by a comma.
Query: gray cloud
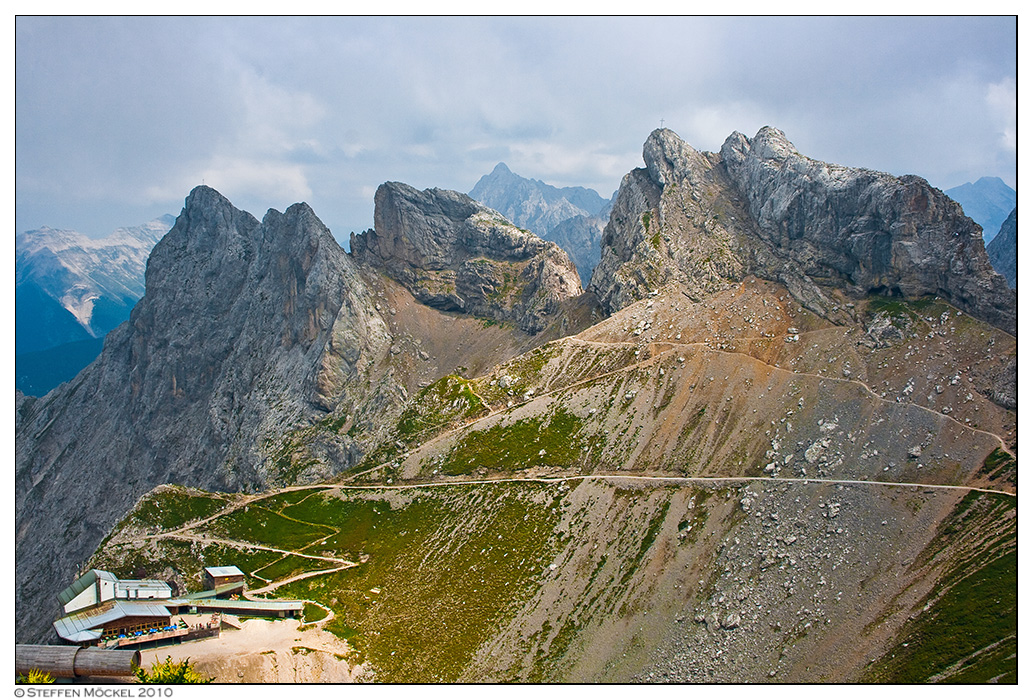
[[117, 118]]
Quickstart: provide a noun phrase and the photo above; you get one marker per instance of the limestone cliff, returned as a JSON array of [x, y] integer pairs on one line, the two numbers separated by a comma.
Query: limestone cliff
[[869, 231], [760, 207], [247, 328], [457, 255]]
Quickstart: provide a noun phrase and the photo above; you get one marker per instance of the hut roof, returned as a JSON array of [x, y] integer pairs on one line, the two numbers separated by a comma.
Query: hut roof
[[82, 583], [214, 571], [88, 625]]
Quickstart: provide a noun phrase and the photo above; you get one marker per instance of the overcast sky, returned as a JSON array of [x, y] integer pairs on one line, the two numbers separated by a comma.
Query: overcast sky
[[117, 119]]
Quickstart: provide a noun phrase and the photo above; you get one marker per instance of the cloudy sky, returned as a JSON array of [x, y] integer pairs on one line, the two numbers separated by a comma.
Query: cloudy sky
[[118, 118]]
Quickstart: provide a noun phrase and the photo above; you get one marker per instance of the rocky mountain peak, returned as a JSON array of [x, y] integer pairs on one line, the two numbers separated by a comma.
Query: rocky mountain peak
[[246, 331], [865, 231], [769, 144], [762, 208], [455, 254], [668, 159]]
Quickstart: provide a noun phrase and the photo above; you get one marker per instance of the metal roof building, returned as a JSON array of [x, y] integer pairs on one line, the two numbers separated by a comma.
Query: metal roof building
[[223, 571], [113, 615], [137, 589], [93, 587], [258, 608]]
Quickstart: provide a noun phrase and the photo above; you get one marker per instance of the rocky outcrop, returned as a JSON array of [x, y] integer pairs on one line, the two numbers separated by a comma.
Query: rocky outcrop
[[673, 221], [1003, 250], [760, 207], [455, 254], [247, 329]]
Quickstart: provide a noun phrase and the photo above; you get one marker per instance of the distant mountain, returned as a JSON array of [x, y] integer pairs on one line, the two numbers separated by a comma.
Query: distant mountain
[[70, 289], [541, 208], [36, 373], [1003, 250], [581, 237], [986, 201]]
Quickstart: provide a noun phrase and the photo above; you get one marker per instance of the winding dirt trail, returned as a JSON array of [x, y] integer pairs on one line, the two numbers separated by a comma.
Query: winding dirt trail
[[661, 349], [657, 351]]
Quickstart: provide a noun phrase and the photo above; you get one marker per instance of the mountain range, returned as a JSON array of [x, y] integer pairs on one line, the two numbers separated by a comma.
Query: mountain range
[[70, 290], [774, 438], [1003, 250]]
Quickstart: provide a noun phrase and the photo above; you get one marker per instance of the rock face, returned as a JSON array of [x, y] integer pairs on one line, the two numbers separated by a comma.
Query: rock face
[[673, 221], [1003, 250], [867, 230], [760, 207], [457, 255], [246, 330], [571, 217]]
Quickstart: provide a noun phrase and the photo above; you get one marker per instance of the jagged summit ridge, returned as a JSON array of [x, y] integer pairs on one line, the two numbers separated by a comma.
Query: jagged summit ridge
[[872, 231], [760, 207], [455, 254]]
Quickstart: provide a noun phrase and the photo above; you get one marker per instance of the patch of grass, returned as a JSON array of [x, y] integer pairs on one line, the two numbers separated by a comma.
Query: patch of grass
[[282, 500], [966, 631], [999, 464], [290, 565], [552, 440], [448, 402], [168, 508], [258, 525], [444, 570], [655, 523], [313, 613]]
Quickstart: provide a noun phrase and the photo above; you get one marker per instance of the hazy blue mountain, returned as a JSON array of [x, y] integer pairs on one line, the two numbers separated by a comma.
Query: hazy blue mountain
[[571, 217], [70, 288], [986, 201], [1003, 250], [36, 373]]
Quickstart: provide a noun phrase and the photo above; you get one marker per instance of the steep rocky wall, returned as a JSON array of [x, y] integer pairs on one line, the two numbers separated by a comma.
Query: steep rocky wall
[[867, 230], [246, 329], [457, 255], [760, 207]]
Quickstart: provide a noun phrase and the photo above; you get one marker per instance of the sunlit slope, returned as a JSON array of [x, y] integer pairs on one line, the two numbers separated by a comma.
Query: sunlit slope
[[744, 384], [604, 579], [728, 490]]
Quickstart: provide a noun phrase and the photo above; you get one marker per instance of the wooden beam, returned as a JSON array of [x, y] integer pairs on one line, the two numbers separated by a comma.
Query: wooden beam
[[70, 662]]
